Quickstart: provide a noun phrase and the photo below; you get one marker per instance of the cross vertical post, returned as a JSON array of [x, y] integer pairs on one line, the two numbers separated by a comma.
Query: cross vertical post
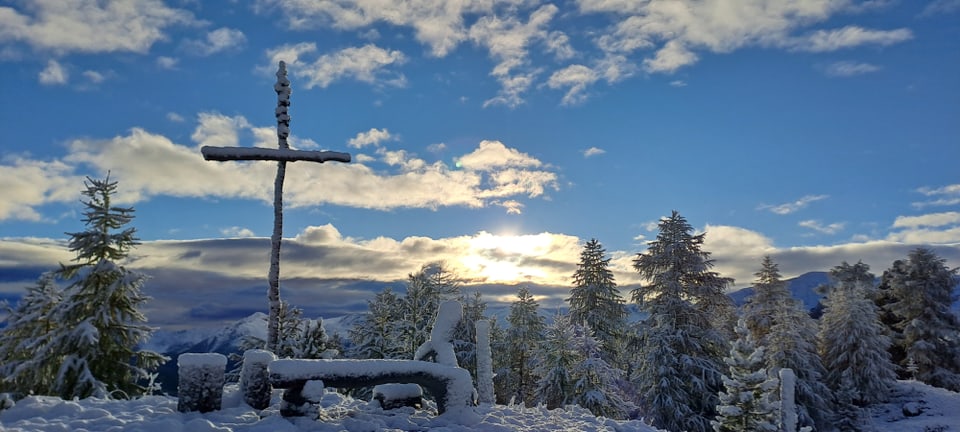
[[282, 155]]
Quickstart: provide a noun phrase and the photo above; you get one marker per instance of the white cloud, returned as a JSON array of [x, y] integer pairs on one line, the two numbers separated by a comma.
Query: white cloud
[[53, 74], [940, 7], [438, 24], [167, 62], [174, 117], [821, 228], [576, 78], [149, 164], [851, 36], [928, 220], [90, 26], [848, 69], [373, 137], [94, 76], [219, 40], [593, 151], [678, 83], [237, 232], [28, 184], [787, 208], [436, 148], [508, 41], [365, 64], [676, 30], [943, 196]]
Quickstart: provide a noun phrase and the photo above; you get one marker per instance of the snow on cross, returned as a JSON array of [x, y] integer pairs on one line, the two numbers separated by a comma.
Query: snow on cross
[[282, 155]]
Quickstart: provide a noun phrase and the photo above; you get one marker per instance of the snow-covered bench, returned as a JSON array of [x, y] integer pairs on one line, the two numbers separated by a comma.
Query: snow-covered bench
[[450, 385]]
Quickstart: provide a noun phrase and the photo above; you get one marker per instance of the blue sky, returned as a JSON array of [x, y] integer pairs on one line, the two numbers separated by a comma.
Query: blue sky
[[497, 136]]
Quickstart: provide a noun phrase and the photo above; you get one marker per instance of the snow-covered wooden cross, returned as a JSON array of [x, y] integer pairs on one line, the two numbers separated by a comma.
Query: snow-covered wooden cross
[[282, 155]]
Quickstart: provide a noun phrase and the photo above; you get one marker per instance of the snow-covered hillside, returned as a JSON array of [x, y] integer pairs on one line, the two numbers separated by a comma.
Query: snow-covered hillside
[[935, 409]]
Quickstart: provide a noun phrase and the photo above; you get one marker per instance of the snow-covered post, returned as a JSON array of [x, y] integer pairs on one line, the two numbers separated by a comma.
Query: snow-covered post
[[282, 155], [440, 345], [788, 409], [201, 381], [255, 378], [484, 363]]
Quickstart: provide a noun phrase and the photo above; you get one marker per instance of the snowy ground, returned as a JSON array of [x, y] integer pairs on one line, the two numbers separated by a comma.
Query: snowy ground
[[939, 412], [337, 413]]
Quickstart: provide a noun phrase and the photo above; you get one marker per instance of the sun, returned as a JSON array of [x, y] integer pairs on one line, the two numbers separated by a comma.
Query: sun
[[507, 258]]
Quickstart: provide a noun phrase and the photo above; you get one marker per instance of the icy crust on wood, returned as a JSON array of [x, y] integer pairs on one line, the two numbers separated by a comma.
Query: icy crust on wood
[[213, 153], [440, 345], [452, 386]]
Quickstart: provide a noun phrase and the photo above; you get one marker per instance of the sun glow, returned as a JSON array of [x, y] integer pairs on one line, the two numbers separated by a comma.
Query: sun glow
[[508, 258]]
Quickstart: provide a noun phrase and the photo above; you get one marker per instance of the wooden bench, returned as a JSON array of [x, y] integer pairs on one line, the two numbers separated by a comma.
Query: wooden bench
[[450, 385]]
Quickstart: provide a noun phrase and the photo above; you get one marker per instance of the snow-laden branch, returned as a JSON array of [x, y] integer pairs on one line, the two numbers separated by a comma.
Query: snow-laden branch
[[212, 153]]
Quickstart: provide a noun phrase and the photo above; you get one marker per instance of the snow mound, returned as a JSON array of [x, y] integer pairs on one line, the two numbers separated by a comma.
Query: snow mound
[[915, 406]]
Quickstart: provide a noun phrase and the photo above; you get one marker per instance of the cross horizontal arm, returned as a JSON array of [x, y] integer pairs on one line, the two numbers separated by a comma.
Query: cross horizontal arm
[[212, 153]]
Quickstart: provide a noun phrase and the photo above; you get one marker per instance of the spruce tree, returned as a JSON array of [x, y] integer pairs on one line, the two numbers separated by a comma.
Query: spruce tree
[[518, 380], [925, 330], [556, 357], [748, 402], [682, 347], [99, 321], [853, 345], [25, 332], [596, 385], [779, 323], [426, 289], [595, 301]]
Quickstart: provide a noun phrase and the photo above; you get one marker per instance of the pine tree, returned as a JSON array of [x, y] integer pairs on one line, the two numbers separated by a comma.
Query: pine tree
[[682, 347], [779, 323], [99, 326], [595, 301], [596, 382], [313, 340], [24, 332], [749, 401], [465, 334], [556, 357], [853, 345], [925, 330], [518, 380]]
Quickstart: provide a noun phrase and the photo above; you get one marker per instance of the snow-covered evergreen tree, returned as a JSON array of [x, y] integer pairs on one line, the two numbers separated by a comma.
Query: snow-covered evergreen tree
[[289, 330], [779, 323], [515, 376], [748, 402], [556, 357], [312, 343], [426, 289], [375, 335], [465, 335], [596, 382], [595, 300], [99, 324], [925, 330], [853, 345], [24, 332], [682, 349]]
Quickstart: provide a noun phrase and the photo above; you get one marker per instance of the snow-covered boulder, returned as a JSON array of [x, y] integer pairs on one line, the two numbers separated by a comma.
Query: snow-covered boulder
[[396, 395]]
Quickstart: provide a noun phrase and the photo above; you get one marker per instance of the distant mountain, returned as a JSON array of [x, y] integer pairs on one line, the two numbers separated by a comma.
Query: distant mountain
[[802, 287]]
